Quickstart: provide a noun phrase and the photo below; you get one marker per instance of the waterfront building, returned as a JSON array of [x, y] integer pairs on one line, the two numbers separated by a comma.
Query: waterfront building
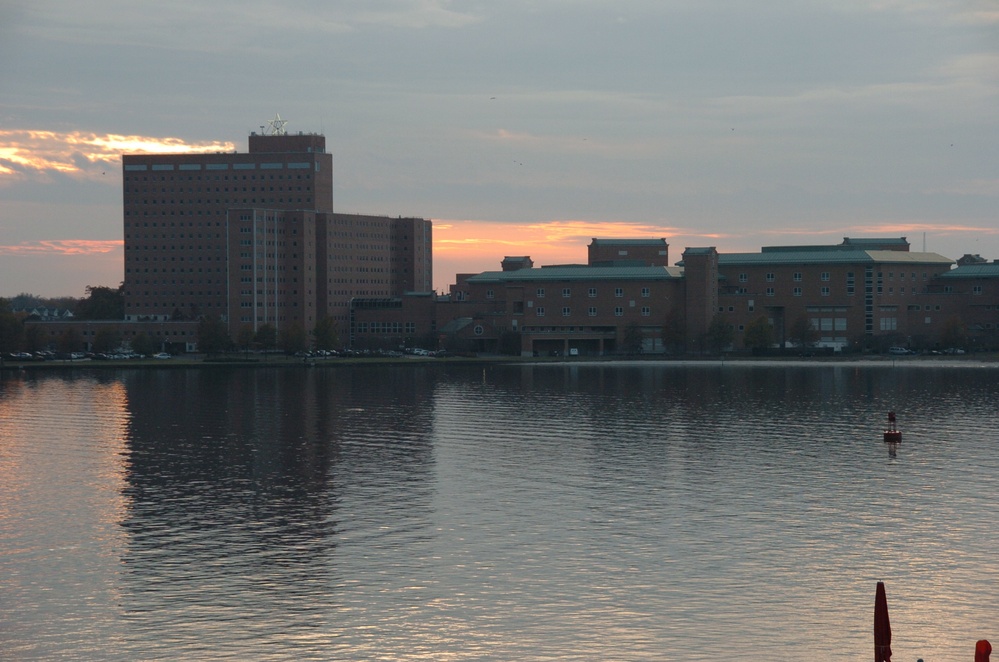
[[863, 293], [252, 238]]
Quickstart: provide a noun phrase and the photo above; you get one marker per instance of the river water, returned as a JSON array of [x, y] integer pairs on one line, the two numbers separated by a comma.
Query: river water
[[612, 511]]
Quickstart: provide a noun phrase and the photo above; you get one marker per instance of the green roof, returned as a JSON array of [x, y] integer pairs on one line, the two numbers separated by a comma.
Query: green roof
[[566, 273], [987, 270], [831, 257], [848, 244]]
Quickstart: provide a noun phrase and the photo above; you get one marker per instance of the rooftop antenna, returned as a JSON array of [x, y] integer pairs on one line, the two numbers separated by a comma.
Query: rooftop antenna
[[277, 126]]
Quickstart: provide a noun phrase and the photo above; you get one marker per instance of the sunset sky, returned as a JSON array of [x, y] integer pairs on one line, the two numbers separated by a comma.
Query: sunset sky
[[522, 127]]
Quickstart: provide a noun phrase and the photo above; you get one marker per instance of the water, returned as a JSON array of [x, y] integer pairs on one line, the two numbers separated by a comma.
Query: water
[[549, 512]]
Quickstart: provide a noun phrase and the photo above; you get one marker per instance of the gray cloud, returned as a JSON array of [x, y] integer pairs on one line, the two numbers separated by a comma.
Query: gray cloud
[[742, 117]]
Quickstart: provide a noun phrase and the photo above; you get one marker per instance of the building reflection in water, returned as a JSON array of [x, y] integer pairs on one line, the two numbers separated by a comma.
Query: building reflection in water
[[235, 481]]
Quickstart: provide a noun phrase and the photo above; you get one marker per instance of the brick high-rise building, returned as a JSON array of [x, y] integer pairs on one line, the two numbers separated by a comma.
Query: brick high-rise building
[[252, 238]]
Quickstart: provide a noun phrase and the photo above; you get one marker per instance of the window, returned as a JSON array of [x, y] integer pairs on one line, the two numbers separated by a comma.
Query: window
[[825, 291], [645, 292], [889, 323], [770, 277], [592, 311], [977, 289], [490, 294], [646, 311], [619, 312], [743, 277], [592, 292], [825, 276], [796, 291], [770, 291], [618, 292], [539, 311], [797, 276], [566, 311], [566, 292], [541, 293]]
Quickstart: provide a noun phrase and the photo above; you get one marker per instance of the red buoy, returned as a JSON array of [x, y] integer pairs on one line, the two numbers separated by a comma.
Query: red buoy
[[892, 434]]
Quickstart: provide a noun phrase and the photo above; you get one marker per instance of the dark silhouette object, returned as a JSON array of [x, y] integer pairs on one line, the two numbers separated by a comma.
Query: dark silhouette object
[[892, 434], [882, 627], [982, 650]]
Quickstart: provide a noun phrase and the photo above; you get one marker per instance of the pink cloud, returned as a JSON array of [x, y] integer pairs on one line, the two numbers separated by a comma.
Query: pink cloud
[[63, 247], [30, 153]]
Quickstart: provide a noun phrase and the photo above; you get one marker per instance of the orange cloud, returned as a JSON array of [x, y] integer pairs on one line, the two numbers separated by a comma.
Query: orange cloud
[[63, 247], [30, 153], [471, 246]]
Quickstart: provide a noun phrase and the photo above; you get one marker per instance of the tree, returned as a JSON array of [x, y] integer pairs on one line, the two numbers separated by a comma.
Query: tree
[[106, 340], [34, 338], [954, 333], [26, 301], [144, 344], [674, 333], [266, 337], [244, 338], [11, 330], [293, 339], [325, 333], [70, 340], [213, 337], [759, 334], [102, 303], [632, 339], [720, 334], [802, 333]]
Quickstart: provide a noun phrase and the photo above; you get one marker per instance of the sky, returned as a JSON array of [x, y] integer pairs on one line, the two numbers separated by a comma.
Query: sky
[[520, 127]]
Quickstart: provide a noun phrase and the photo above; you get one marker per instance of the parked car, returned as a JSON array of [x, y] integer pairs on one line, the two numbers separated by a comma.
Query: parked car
[[162, 355], [900, 351], [953, 350]]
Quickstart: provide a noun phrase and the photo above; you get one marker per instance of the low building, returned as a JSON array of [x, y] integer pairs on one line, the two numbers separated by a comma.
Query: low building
[[864, 293]]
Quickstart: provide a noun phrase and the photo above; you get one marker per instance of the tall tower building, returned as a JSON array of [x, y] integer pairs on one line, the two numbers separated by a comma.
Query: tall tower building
[[252, 238]]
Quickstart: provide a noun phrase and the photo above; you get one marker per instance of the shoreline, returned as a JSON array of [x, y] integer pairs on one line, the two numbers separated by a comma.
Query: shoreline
[[985, 360]]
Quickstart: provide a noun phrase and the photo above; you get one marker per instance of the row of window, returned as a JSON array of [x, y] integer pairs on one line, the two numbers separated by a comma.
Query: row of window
[[824, 276], [190, 224], [539, 311], [567, 292], [146, 270], [825, 291], [192, 178], [218, 189], [218, 201], [271, 304], [385, 327]]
